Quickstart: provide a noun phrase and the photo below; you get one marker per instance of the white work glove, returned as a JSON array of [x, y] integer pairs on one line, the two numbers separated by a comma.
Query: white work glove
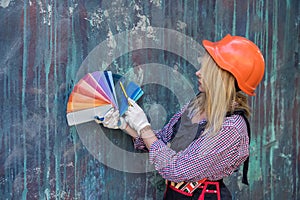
[[112, 120], [135, 117]]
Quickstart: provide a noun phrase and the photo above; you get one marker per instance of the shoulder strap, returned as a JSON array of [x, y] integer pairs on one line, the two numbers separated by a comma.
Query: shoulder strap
[[246, 163], [201, 128]]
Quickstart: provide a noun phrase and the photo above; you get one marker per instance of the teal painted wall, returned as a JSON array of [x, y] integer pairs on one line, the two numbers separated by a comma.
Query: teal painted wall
[[43, 45]]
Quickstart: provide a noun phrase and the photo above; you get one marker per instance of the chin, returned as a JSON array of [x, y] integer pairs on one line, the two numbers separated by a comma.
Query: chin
[[200, 89]]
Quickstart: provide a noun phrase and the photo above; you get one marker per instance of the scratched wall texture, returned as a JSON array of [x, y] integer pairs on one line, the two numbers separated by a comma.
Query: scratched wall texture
[[44, 42]]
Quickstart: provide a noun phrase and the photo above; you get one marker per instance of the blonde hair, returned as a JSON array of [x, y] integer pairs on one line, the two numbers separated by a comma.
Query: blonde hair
[[220, 96]]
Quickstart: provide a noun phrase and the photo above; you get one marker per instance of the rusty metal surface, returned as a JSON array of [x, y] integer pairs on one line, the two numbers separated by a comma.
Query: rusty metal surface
[[42, 47]]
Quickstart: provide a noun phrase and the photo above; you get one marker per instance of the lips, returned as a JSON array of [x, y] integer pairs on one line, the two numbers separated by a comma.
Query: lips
[[199, 83], [200, 88]]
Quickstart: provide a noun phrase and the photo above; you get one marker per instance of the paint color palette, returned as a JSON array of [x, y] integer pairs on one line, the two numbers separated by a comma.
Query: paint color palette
[[96, 93]]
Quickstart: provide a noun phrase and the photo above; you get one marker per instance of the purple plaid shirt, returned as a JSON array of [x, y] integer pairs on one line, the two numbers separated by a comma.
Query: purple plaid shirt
[[206, 157]]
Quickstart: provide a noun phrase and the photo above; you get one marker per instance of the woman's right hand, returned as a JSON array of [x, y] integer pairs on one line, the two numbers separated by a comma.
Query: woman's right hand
[[136, 117]]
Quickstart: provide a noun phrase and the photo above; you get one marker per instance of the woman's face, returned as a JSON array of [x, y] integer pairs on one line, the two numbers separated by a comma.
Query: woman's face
[[200, 80]]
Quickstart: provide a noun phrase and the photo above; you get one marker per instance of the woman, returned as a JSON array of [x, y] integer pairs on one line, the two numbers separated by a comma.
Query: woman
[[208, 139]]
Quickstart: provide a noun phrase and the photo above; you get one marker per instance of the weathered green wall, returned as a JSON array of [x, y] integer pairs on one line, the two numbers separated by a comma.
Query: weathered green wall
[[42, 46]]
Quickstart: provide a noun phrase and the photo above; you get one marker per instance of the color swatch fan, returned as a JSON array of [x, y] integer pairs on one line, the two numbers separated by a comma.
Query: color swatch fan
[[95, 94]]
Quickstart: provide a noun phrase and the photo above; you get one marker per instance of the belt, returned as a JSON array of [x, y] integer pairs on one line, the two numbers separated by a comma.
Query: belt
[[190, 187]]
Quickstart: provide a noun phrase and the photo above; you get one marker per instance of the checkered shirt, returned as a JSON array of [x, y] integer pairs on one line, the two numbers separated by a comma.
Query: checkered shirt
[[206, 157]]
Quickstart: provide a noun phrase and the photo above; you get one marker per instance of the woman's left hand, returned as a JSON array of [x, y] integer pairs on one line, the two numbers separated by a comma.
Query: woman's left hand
[[113, 120]]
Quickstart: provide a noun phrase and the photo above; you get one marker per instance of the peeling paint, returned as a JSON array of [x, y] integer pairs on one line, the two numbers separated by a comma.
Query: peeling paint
[[157, 3], [4, 3]]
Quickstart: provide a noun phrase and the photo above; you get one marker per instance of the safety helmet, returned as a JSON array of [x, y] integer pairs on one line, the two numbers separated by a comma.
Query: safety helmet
[[241, 57]]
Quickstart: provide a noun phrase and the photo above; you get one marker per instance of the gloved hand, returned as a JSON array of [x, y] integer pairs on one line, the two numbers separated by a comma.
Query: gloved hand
[[135, 117], [112, 120]]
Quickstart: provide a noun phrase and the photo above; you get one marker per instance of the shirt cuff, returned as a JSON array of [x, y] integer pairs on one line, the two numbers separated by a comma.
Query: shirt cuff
[[139, 143]]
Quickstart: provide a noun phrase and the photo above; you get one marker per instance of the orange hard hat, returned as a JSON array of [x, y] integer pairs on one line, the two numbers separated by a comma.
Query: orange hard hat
[[241, 57]]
